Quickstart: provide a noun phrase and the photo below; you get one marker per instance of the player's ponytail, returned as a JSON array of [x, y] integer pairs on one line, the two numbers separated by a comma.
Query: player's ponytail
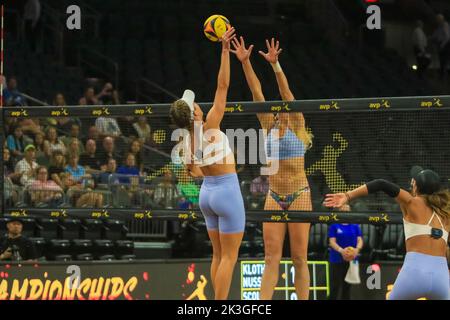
[[440, 203]]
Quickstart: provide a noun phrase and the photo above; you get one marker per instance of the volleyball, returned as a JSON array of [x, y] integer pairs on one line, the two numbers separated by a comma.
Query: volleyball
[[215, 26]]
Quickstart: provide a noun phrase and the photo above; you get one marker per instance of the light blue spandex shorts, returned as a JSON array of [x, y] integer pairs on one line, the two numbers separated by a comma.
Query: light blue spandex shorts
[[221, 203], [422, 276]]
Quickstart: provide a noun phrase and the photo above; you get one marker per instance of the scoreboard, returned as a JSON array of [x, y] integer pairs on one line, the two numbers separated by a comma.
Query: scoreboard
[[252, 271]]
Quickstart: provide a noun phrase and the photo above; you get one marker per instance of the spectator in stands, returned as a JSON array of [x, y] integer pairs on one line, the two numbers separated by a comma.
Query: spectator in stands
[[188, 189], [3, 85], [89, 98], [92, 134], [126, 126], [14, 246], [129, 168], [53, 142], [10, 191], [31, 126], [75, 170], [45, 191], [73, 148], [108, 151], [441, 38], [39, 143], [16, 142], [73, 134], [136, 150], [345, 244], [89, 159], [60, 101], [81, 192], [108, 95], [420, 43], [2, 81], [143, 129], [26, 167], [11, 95], [109, 176], [31, 17], [128, 176], [8, 166], [185, 204], [62, 123], [81, 186], [57, 168], [166, 193], [259, 186], [108, 127]]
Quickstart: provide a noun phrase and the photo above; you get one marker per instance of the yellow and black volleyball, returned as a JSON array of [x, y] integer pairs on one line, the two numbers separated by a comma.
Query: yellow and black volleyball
[[215, 26]]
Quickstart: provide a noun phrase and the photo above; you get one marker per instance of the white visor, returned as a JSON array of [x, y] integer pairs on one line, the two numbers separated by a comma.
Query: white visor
[[189, 97]]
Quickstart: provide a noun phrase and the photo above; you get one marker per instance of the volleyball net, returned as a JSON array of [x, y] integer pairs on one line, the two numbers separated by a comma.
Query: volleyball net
[[118, 160]]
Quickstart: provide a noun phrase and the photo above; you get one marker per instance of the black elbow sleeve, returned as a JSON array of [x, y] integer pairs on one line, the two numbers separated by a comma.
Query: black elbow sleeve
[[391, 189]]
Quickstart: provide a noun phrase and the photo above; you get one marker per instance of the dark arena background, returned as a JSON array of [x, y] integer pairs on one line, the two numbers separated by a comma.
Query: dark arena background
[[104, 196]]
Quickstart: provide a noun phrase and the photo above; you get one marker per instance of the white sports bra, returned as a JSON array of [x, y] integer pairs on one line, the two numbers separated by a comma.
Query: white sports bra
[[414, 229], [208, 153]]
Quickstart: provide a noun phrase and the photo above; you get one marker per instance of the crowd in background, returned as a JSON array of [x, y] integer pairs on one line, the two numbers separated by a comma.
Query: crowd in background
[[438, 41], [86, 162]]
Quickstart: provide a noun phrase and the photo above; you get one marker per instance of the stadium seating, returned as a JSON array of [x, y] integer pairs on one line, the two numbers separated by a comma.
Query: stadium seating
[[103, 249], [124, 249], [173, 52], [69, 239], [81, 246], [114, 229], [70, 229], [48, 228], [41, 77], [92, 229], [84, 257], [39, 244], [318, 242], [391, 243], [58, 249], [370, 235]]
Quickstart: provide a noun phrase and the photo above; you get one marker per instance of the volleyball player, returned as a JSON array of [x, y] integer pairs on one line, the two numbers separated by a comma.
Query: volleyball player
[[220, 198], [426, 218], [288, 188]]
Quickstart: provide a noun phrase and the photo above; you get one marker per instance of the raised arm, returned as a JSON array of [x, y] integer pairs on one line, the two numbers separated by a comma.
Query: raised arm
[[273, 52], [217, 111], [243, 55]]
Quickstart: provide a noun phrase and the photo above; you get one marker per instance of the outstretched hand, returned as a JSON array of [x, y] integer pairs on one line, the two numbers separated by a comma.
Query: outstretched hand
[[240, 51], [227, 37], [336, 200], [273, 51]]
